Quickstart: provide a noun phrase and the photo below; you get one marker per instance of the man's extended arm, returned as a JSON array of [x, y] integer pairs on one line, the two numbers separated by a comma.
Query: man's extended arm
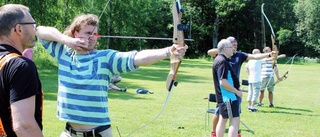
[[150, 56], [258, 56], [53, 34], [213, 52]]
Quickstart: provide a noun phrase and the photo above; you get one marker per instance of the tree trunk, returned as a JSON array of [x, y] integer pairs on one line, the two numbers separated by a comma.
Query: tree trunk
[[215, 32]]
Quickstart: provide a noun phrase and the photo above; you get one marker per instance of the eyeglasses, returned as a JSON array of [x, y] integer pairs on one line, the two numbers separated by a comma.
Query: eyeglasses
[[28, 23]]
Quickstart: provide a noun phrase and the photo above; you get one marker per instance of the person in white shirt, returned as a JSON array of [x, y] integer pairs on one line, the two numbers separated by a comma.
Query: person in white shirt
[[253, 68]]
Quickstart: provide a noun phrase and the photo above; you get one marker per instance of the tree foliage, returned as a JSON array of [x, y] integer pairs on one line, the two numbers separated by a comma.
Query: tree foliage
[[308, 26]]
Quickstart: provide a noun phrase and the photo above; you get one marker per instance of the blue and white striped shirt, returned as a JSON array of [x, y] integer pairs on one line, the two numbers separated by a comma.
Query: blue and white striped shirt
[[83, 82]]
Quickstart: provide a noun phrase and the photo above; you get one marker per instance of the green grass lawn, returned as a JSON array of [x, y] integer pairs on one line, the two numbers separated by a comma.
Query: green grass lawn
[[296, 100]]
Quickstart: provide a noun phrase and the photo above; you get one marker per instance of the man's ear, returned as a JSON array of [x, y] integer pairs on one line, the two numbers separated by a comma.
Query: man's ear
[[76, 33], [17, 28]]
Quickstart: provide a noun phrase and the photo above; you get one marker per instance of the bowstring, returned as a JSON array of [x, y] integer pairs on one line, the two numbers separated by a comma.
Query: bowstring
[[287, 72], [161, 111], [292, 60], [164, 105]]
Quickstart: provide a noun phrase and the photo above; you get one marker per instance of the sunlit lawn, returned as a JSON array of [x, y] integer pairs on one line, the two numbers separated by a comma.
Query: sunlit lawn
[[296, 100]]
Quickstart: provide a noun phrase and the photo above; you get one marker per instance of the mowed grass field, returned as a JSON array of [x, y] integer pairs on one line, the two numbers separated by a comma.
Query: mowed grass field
[[296, 101]]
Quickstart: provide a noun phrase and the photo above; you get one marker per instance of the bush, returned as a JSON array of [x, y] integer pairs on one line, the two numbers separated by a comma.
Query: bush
[[42, 58]]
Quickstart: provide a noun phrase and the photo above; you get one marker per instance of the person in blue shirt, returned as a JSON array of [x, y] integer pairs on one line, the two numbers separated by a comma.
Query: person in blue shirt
[[84, 73]]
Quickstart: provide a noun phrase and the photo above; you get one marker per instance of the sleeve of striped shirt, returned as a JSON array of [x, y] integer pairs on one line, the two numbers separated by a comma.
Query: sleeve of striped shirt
[[54, 49]]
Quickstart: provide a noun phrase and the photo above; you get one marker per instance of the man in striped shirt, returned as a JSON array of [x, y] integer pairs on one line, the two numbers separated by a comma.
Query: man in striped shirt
[[84, 74], [267, 79]]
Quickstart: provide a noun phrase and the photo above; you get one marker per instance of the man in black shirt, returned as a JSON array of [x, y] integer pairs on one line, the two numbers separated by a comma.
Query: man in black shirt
[[21, 98]]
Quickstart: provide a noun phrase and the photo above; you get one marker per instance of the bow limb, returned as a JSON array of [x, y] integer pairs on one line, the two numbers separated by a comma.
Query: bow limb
[[274, 44], [178, 38], [273, 38], [274, 48], [285, 75]]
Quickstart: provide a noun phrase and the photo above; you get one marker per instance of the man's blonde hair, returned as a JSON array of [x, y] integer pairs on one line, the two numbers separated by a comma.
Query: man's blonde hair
[[81, 21]]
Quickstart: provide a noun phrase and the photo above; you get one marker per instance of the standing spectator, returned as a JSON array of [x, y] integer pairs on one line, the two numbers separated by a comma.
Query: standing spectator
[[253, 68], [227, 90], [21, 98]]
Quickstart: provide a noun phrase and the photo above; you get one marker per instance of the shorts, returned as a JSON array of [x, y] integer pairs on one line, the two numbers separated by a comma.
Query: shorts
[[216, 112], [269, 81], [229, 109], [253, 91]]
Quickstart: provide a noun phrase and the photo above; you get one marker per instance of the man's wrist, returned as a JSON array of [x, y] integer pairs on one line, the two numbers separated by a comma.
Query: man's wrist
[[168, 52]]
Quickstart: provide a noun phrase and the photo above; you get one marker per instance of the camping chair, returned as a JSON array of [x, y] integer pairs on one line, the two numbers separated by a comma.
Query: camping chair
[[245, 83], [212, 98]]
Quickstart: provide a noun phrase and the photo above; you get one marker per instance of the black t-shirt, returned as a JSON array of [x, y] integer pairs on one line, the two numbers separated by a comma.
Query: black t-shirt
[[18, 80], [221, 66]]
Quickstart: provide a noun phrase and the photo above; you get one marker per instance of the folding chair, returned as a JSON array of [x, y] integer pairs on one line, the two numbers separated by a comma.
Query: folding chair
[[245, 83], [212, 98]]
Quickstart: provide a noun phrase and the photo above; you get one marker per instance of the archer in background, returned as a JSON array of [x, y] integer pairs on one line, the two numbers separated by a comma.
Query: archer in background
[[267, 78], [84, 73], [236, 60]]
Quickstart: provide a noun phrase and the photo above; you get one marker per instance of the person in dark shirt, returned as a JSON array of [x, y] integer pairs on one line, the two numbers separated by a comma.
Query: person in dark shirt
[[226, 85], [236, 60], [21, 97]]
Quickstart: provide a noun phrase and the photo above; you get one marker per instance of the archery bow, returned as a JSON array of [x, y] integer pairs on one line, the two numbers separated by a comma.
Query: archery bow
[[285, 75], [274, 44], [178, 38], [273, 39]]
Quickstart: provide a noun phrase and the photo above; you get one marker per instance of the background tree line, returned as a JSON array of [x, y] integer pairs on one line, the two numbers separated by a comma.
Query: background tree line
[[295, 22]]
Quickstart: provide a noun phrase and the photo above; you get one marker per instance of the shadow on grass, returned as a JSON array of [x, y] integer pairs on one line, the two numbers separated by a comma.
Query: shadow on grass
[[278, 112], [294, 109], [240, 131], [127, 95], [285, 110]]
